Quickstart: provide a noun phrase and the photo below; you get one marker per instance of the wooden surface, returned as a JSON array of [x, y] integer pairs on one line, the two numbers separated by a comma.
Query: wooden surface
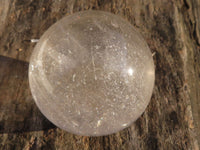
[[171, 120]]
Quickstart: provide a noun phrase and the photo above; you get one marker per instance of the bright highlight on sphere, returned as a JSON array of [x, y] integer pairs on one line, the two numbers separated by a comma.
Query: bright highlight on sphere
[[92, 73]]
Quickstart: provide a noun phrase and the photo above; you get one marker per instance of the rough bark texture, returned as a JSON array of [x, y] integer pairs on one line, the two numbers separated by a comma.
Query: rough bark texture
[[172, 119]]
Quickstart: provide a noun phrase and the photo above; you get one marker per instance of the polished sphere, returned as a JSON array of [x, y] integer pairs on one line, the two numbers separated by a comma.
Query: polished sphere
[[92, 73]]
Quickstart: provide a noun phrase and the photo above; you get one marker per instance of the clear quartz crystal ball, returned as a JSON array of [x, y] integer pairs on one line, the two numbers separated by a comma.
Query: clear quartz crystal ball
[[92, 73]]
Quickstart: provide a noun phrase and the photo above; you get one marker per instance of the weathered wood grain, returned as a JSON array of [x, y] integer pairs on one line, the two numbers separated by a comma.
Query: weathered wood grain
[[172, 119]]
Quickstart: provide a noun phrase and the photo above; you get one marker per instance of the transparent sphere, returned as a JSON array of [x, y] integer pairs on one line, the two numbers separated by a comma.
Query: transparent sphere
[[91, 73]]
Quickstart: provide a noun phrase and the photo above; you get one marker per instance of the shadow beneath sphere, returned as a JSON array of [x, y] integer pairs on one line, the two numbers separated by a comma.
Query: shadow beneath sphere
[[18, 111]]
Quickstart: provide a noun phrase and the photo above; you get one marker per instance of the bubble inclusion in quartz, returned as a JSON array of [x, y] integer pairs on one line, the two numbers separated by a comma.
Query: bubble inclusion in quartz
[[91, 73]]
